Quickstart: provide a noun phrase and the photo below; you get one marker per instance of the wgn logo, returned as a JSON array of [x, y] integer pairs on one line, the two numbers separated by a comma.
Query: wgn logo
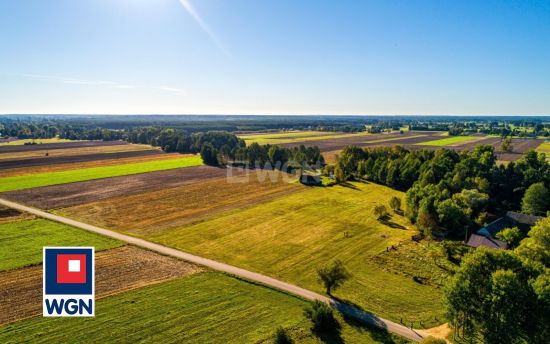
[[68, 282]]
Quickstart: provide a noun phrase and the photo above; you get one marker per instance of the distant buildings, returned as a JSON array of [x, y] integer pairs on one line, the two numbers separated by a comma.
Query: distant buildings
[[486, 235]]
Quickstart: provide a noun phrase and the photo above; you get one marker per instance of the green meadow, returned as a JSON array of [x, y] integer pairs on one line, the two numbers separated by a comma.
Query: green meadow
[[207, 307], [290, 237], [70, 176], [21, 242]]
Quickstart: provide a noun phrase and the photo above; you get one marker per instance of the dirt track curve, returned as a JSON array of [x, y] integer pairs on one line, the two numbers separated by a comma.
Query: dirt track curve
[[347, 309]]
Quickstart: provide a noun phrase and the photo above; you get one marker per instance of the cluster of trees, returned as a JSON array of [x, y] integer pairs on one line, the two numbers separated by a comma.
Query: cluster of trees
[[272, 156], [452, 189], [500, 296]]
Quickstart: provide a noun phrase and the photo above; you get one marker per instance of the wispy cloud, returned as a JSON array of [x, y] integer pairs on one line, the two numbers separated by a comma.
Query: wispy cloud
[[204, 26], [104, 83]]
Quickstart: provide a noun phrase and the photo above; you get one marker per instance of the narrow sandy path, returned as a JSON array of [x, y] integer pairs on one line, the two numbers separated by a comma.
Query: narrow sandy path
[[215, 265]]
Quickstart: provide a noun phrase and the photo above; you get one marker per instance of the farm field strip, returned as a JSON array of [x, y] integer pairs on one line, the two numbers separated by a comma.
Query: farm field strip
[[335, 144], [38, 141], [55, 164], [68, 195], [453, 140], [22, 241], [71, 176], [203, 307], [64, 145], [394, 139], [117, 270], [37, 153], [299, 137], [170, 207], [291, 237]]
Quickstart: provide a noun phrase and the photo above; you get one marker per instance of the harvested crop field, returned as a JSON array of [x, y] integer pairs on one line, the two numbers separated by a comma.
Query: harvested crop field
[[67, 195], [54, 164], [374, 140], [520, 146], [63, 145], [17, 142], [117, 270], [37, 153], [170, 207]]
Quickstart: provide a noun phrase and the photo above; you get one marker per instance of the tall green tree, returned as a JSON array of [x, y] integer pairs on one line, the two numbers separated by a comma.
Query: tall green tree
[[536, 200]]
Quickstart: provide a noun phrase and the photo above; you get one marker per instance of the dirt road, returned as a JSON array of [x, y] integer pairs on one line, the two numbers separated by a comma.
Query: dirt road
[[215, 265]]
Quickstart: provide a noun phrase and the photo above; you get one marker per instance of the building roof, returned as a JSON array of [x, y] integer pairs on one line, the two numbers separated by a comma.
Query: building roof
[[523, 219], [480, 240], [511, 219]]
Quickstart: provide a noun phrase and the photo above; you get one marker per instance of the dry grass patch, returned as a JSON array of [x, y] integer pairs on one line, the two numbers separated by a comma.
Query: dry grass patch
[[153, 211]]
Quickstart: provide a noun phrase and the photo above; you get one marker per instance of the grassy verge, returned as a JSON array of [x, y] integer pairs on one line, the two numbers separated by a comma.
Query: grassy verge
[[449, 141], [289, 238], [62, 177], [204, 308], [21, 242]]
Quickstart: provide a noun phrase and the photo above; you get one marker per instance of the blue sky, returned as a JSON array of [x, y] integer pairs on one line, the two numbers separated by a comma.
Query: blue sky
[[275, 57]]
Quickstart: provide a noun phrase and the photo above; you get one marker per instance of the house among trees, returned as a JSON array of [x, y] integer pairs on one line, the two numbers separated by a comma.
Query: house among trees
[[512, 219], [486, 235], [480, 240], [308, 179]]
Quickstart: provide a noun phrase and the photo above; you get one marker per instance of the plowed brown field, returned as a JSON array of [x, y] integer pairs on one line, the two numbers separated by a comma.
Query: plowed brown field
[[66, 195], [170, 207], [117, 270]]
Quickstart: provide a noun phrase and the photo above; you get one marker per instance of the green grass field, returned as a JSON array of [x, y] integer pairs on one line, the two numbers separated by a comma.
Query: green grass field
[[70, 176], [544, 148], [21, 242], [38, 141], [295, 136], [289, 238], [207, 307], [449, 141]]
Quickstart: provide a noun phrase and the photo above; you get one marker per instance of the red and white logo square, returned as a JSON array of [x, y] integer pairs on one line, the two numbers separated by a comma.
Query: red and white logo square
[[71, 268]]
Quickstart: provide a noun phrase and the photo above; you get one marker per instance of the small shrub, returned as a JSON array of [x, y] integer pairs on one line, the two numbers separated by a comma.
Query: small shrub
[[380, 212], [322, 317], [395, 204]]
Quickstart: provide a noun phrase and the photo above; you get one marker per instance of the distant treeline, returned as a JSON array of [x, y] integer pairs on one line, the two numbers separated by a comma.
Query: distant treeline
[[216, 147], [222, 148], [446, 188]]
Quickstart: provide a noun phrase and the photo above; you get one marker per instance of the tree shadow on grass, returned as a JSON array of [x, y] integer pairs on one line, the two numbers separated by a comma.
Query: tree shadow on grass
[[349, 185], [332, 336], [392, 224], [377, 329]]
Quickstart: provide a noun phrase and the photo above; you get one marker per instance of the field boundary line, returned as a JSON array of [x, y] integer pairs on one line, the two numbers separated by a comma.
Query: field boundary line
[[344, 308]]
